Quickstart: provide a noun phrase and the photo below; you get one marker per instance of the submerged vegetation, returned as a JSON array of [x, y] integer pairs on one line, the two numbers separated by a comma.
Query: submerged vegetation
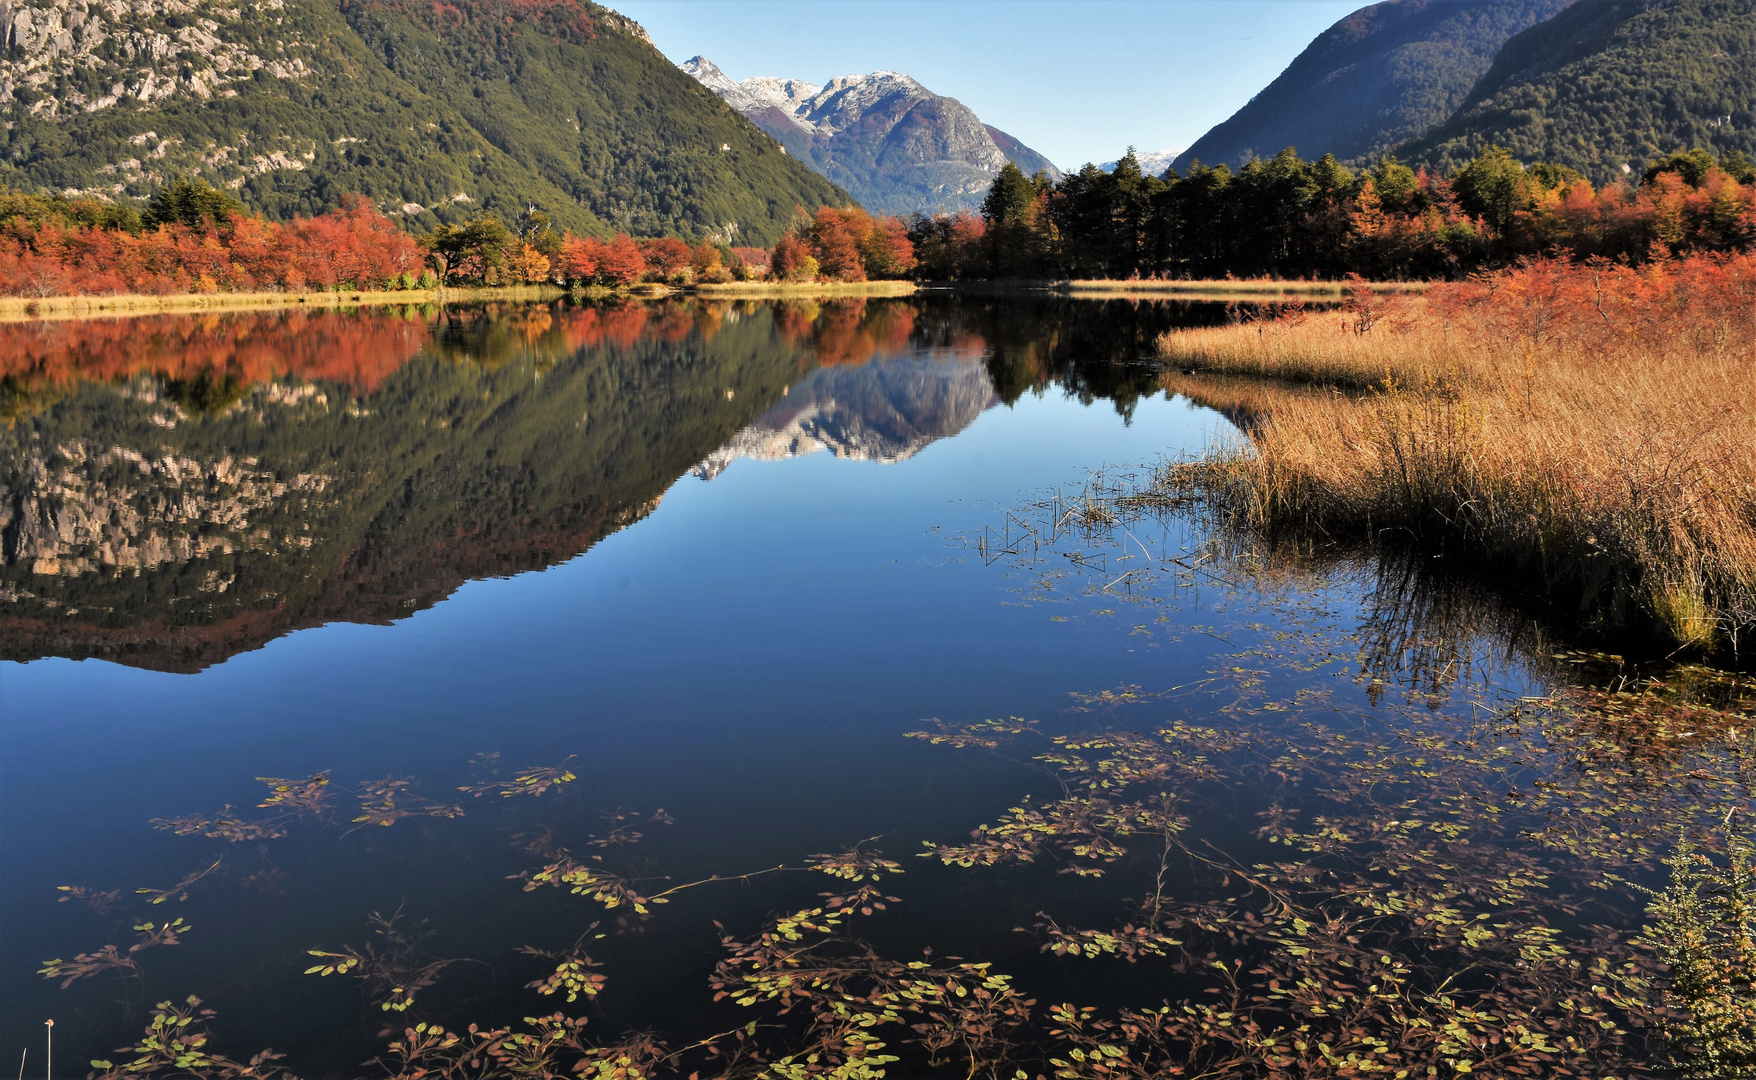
[[1585, 425], [1344, 852], [1384, 829]]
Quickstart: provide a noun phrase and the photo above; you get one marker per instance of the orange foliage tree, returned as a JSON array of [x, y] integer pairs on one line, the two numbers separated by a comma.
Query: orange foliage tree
[[666, 256], [589, 261], [351, 247], [845, 244]]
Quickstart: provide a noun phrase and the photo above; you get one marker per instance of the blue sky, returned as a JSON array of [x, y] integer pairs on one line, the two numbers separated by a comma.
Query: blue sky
[[1076, 80]]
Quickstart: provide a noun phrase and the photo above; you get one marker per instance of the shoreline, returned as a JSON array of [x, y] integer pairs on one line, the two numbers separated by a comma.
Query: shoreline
[[27, 309], [1176, 290], [768, 290]]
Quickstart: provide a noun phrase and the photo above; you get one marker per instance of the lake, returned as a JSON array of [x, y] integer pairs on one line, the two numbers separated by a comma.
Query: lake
[[396, 642]]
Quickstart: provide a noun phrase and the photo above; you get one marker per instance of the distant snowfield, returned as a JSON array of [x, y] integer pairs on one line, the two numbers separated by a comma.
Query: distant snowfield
[[1152, 162]]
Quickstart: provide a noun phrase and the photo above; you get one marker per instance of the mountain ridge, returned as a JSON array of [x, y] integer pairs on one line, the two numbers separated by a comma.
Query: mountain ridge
[[895, 146], [1382, 75], [560, 105]]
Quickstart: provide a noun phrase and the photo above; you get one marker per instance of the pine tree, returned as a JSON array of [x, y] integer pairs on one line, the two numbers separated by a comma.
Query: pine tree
[[1010, 198]]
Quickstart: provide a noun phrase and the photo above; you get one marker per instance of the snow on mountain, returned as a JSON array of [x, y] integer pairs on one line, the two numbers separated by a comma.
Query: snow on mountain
[[1152, 162], [895, 145], [885, 411], [752, 94]]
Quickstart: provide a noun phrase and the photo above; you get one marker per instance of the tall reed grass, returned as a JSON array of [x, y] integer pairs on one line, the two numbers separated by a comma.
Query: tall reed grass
[[1590, 427]]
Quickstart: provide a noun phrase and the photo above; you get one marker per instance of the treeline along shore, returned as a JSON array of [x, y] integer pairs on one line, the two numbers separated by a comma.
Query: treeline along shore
[[1277, 219]]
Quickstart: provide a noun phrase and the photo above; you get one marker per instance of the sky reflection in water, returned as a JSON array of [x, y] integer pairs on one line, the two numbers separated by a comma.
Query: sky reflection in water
[[745, 653]]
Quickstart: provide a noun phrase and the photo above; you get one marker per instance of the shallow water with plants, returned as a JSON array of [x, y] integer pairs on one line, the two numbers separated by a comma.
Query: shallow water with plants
[[794, 689]]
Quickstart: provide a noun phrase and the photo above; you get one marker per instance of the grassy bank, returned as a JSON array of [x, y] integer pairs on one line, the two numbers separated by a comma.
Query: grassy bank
[[1589, 430], [758, 290], [16, 308]]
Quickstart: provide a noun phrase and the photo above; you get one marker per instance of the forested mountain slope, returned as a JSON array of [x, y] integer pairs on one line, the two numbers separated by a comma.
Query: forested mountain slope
[[435, 111], [1609, 85], [1386, 73]]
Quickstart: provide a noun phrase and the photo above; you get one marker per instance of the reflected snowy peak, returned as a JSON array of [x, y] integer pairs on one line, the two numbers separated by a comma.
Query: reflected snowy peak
[[884, 411]]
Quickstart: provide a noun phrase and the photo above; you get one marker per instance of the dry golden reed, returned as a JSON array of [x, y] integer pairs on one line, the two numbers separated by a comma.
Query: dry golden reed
[[1588, 426]]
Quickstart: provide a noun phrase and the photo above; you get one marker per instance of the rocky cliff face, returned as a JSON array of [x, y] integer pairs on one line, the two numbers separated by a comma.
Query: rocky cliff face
[[66, 57], [895, 145]]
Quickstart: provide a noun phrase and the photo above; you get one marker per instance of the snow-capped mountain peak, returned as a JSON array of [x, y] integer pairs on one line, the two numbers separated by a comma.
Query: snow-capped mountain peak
[[895, 145], [1152, 162]]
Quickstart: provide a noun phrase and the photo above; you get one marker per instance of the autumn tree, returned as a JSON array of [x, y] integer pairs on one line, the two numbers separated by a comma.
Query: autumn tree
[[666, 256], [791, 260], [708, 264], [621, 262]]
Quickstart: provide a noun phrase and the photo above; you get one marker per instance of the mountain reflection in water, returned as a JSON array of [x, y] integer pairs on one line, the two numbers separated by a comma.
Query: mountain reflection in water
[[177, 489], [1178, 785], [884, 412]]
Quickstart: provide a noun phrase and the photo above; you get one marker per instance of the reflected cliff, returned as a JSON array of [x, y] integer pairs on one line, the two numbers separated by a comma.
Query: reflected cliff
[[178, 489]]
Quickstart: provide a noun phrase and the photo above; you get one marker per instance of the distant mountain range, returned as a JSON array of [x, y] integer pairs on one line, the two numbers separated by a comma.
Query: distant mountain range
[[896, 146], [436, 111], [1603, 86]]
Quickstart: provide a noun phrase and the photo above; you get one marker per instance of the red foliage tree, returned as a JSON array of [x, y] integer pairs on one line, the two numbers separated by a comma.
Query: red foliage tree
[[666, 255], [787, 261], [621, 262], [354, 246], [834, 236], [579, 259]]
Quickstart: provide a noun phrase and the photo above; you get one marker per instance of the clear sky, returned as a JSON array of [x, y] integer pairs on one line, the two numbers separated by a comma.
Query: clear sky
[[1075, 80]]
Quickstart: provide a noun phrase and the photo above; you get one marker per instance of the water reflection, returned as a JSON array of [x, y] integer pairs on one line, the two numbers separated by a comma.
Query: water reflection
[[884, 412], [176, 489], [665, 788]]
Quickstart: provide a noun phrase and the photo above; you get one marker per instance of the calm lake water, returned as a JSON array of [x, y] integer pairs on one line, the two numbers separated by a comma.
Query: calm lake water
[[716, 561]]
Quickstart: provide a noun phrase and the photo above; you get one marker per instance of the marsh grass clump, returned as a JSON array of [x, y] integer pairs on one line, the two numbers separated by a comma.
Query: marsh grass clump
[[1587, 427]]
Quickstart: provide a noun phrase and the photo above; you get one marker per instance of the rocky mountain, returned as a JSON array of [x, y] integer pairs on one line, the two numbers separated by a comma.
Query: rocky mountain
[[895, 145], [1386, 73], [433, 110], [884, 411], [1608, 85]]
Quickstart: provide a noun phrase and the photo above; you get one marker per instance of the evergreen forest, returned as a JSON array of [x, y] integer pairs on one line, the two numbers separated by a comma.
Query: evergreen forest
[[1608, 86], [1286, 217]]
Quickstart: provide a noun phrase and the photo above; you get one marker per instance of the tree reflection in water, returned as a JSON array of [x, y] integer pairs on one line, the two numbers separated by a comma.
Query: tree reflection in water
[[1395, 829]]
